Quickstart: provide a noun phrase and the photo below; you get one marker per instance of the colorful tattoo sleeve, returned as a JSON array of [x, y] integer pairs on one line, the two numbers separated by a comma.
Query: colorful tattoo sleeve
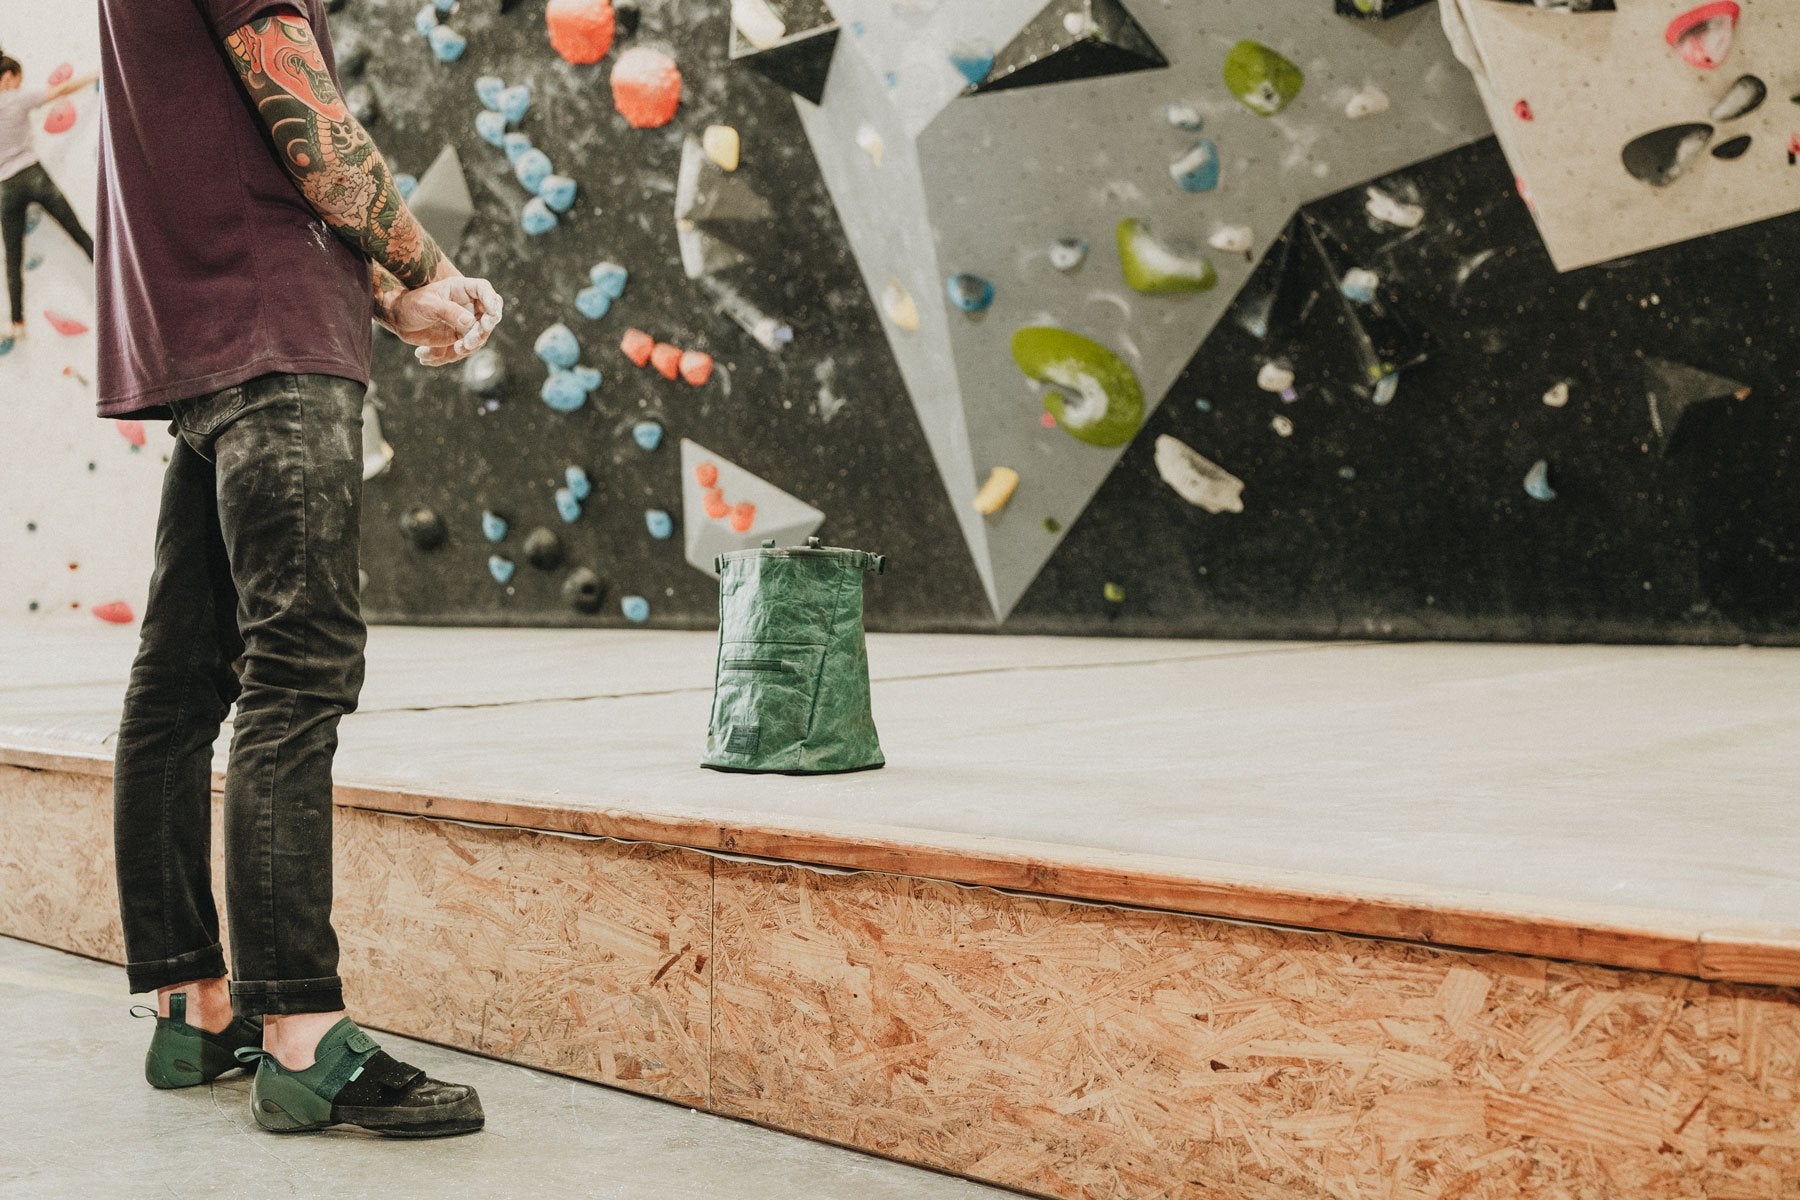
[[329, 154]]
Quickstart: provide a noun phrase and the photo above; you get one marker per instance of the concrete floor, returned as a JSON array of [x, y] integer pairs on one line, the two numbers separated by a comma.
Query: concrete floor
[[81, 1124], [1552, 777]]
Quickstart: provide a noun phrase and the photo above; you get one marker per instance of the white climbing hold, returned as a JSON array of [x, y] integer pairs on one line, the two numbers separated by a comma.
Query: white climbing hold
[[898, 303], [869, 138], [1384, 207], [1067, 253], [1197, 479], [1359, 284], [1232, 239], [1274, 378], [1184, 116], [1386, 388], [1558, 396], [722, 146], [1282, 426], [758, 22], [1367, 103]]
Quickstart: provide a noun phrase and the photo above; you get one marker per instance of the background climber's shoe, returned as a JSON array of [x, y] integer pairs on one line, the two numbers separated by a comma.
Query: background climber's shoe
[[183, 1055]]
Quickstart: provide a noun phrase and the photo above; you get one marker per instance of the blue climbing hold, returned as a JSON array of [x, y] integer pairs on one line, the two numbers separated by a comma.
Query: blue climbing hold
[[446, 6], [404, 184], [6, 345], [537, 217], [32, 217], [515, 144], [425, 20], [636, 609], [33, 262], [578, 482], [973, 58], [588, 377], [971, 293], [500, 568], [1537, 481], [660, 524], [567, 506], [448, 44], [609, 277], [532, 168], [515, 101], [647, 434], [1198, 169], [592, 303], [492, 128], [488, 89], [563, 392], [558, 191], [493, 526], [557, 346]]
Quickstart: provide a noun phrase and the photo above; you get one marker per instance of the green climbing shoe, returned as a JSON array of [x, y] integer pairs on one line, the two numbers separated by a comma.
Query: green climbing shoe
[[354, 1082], [183, 1055]]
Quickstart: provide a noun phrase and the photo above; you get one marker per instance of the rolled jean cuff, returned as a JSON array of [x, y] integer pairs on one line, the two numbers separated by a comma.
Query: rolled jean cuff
[[205, 963], [262, 997]]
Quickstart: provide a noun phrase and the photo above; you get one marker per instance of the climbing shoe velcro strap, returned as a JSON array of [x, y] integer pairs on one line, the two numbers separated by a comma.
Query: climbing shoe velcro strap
[[389, 1072]]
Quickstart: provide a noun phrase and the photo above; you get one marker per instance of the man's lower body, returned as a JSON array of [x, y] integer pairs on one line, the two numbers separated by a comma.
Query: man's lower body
[[18, 193], [255, 600]]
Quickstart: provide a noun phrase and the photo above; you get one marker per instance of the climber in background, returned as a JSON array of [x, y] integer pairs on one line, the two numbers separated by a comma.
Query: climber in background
[[24, 182]]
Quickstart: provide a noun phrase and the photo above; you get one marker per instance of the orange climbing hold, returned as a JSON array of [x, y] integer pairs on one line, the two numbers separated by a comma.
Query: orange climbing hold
[[60, 118], [132, 431], [637, 345], [714, 501], [117, 612], [666, 359], [743, 516], [67, 326], [646, 87], [696, 366], [580, 30], [706, 475]]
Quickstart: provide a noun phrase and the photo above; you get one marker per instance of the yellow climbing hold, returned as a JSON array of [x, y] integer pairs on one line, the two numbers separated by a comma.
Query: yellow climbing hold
[[898, 303], [722, 146], [1114, 593], [1001, 483]]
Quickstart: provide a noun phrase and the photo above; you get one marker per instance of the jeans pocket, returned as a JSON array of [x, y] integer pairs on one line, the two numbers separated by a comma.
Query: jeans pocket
[[202, 416]]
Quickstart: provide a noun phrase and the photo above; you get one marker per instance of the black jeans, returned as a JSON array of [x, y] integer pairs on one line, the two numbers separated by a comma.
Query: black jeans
[[31, 186], [254, 599]]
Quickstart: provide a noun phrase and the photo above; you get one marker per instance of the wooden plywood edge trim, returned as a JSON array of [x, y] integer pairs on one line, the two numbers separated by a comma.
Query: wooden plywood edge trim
[[1634, 939]]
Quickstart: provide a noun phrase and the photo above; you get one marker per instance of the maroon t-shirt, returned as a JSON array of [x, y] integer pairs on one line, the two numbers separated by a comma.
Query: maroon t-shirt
[[210, 267]]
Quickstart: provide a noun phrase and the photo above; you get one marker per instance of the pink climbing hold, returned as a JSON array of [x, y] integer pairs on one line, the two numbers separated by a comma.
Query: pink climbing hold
[[63, 73], [646, 87], [580, 30], [61, 117], [116, 612], [666, 359], [67, 326], [696, 367], [132, 431]]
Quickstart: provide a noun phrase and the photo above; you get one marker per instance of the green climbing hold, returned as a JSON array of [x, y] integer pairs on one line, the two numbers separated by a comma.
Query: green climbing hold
[[1155, 267], [1108, 405], [1261, 78]]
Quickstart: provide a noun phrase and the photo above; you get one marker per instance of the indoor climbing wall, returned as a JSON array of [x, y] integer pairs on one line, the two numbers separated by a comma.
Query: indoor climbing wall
[[80, 494]]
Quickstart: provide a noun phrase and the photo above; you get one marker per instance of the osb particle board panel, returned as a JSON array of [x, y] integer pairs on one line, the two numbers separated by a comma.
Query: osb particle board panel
[[1755, 1106], [1087, 1052], [57, 885], [579, 956]]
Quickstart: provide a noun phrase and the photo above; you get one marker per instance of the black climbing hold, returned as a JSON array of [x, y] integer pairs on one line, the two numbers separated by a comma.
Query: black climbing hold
[[1377, 10], [1072, 39], [424, 528], [543, 549], [626, 16], [1672, 388], [1741, 99], [334, 6], [1735, 148], [1661, 156], [360, 100], [801, 60], [583, 591]]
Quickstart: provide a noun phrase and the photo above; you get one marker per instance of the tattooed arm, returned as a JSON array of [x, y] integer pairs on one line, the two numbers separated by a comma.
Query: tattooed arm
[[332, 160]]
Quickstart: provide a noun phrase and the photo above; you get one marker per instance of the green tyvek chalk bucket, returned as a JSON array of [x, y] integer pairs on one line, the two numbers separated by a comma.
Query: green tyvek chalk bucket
[[791, 691]]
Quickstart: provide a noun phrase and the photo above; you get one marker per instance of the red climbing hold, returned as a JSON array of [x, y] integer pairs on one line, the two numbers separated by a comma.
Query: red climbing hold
[[637, 345], [132, 431], [1702, 36], [706, 475], [696, 367], [666, 359], [1522, 110], [714, 501], [743, 516], [67, 326], [117, 612], [60, 118], [646, 87], [63, 73], [580, 30]]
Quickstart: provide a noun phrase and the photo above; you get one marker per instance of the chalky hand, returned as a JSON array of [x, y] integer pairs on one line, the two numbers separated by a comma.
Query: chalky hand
[[446, 320]]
